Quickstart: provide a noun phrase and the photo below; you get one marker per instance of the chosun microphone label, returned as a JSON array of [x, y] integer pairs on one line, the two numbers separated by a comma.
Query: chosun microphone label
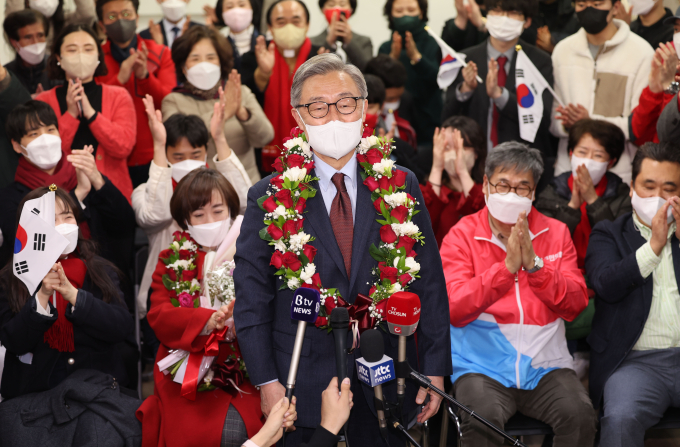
[[393, 311]]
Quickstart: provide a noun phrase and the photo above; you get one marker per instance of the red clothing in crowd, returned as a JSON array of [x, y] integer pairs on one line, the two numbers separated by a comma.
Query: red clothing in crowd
[[114, 128], [168, 419], [160, 82], [447, 208], [646, 115]]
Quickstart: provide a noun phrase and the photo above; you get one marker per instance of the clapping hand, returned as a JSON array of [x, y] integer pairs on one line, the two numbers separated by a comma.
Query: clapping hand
[[664, 68], [395, 51], [156, 32], [265, 55], [139, 66], [338, 28], [469, 77], [411, 48], [571, 114], [87, 173], [64, 287], [519, 249], [584, 182], [493, 90]]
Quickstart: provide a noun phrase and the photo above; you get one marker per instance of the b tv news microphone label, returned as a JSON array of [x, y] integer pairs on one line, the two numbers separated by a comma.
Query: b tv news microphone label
[[375, 373], [305, 305]]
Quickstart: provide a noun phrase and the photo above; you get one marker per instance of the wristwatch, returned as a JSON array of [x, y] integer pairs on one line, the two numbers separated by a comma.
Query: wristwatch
[[538, 265], [673, 88]]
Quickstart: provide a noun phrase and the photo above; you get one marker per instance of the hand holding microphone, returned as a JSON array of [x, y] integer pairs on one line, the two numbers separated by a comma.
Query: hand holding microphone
[[336, 405]]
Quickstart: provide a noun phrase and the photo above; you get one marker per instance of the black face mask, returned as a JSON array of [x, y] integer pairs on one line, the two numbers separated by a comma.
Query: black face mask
[[593, 20]]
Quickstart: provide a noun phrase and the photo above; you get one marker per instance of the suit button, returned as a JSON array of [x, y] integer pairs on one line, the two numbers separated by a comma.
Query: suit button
[[71, 361]]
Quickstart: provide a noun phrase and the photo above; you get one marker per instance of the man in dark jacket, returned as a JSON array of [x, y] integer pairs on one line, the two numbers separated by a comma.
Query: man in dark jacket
[[633, 264], [12, 93], [493, 103]]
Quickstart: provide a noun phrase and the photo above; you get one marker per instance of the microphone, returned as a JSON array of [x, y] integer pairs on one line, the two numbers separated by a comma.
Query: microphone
[[339, 322], [304, 309], [403, 315], [374, 369]]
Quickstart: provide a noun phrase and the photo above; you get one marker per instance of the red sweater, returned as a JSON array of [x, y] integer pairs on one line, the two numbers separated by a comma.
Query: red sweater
[[160, 82], [646, 114], [114, 128], [447, 208]]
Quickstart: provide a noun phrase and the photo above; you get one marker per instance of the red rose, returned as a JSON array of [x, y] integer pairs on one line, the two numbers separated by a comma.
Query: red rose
[[377, 203], [300, 206], [295, 132], [177, 235], [291, 261], [172, 274], [309, 166], [367, 132], [289, 228], [302, 187], [371, 183], [295, 161], [309, 251], [387, 234], [310, 286], [389, 273], [275, 232], [361, 158], [165, 254], [399, 178], [374, 156], [184, 254], [277, 260], [316, 279], [277, 181], [188, 275], [329, 304], [278, 165], [285, 140], [407, 243], [269, 205], [285, 198], [412, 254], [384, 183], [321, 321], [404, 279], [410, 197], [298, 225], [400, 213]]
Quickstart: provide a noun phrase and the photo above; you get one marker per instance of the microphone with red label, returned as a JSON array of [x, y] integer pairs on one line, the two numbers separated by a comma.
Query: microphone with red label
[[403, 315]]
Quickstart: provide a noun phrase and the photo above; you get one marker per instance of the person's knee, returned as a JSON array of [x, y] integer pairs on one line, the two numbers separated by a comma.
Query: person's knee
[[576, 412], [473, 392]]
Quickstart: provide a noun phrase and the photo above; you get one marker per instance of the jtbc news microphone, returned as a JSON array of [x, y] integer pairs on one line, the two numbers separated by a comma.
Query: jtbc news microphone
[[374, 369], [304, 309], [403, 314]]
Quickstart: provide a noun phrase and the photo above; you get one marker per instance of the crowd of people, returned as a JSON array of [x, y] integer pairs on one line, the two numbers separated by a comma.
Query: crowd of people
[[179, 141]]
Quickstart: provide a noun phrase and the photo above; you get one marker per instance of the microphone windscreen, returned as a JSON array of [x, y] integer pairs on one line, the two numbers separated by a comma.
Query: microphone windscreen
[[372, 345], [403, 308], [339, 318]]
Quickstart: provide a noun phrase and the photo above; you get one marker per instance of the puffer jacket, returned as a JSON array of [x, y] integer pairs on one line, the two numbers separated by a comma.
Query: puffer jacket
[[510, 327]]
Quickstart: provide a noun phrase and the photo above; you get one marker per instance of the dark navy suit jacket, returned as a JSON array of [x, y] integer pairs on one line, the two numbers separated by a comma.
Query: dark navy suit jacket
[[623, 298], [266, 332]]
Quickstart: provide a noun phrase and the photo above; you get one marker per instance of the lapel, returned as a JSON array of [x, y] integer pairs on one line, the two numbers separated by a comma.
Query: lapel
[[165, 33], [675, 249], [510, 80], [363, 218], [317, 217]]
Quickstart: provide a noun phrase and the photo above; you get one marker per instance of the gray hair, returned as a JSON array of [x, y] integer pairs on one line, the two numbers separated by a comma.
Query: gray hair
[[320, 65], [513, 155]]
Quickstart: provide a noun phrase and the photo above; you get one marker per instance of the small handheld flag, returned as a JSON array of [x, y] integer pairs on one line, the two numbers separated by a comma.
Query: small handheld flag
[[450, 64]]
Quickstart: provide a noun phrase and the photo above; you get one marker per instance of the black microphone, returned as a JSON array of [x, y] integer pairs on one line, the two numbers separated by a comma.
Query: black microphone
[[340, 324], [374, 369]]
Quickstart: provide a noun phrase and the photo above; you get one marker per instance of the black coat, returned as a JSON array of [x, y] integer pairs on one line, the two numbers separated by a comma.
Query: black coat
[[477, 107], [97, 327], [623, 297], [12, 93], [87, 409]]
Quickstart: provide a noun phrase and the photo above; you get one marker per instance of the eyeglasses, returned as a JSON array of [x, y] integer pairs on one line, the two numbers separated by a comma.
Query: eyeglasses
[[125, 14], [503, 188], [344, 106]]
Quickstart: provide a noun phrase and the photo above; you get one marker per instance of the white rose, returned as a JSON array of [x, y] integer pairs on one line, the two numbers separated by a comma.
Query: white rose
[[290, 144], [295, 174], [405, 229], [367, 143], [280, 246], [195, 283], [298, 240], [306, 149], [278, 212], [412, 265], [384, 166], [396, 199], [396, 287], [396, 262], [307, 273], [187, 245], [175, 244], [293, 283]]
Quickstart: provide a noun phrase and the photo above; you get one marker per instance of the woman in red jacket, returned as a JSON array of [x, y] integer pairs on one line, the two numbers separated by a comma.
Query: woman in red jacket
[[454, 186], [220, 408], [91, 114]]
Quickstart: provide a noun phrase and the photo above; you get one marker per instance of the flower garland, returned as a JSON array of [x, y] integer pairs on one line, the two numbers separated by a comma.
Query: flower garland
[[180, 280], [293, 257]]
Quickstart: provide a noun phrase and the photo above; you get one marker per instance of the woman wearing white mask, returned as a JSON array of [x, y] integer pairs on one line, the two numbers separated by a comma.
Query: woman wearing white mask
[[454, 186], [589, 193], [102, 116], [180, 146], [204, 205], [203, 60], [239, 22], [68, 328]]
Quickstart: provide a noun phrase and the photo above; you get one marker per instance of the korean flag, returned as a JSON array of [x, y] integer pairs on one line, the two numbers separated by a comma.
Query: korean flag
[[37, 245]]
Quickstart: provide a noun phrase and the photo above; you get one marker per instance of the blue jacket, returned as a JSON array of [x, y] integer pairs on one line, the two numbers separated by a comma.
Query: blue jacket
[[266, 332]]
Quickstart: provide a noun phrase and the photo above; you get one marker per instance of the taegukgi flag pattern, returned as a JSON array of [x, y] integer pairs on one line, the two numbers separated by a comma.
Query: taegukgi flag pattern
[[530, 85], [37, 245]]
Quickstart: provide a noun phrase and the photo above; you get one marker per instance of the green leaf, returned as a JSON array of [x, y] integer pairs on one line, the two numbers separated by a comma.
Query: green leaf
[[377, 254], [174, 302], [304, 259], [167, 282], [197, 303], [384, 212], [260, 201], [382, 222]]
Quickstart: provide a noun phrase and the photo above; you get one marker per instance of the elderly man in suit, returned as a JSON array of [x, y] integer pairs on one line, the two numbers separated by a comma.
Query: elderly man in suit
[[265, 330], [493, 103], [634, 266], [174, 23]]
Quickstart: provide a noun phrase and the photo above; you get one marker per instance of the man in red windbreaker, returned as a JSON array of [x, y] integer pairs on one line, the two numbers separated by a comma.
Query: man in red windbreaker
[[141, 66]]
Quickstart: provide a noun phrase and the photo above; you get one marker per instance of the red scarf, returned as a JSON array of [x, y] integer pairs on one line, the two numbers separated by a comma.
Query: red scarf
[[60, 335], [582, 233], [64, 174], [277, 102]]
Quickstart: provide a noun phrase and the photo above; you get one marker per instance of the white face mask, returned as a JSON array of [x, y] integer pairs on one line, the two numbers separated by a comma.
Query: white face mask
[[179, 170], [647, 208], [32, 54], [80, 65], [46, 7], [391, 107], [174, 10], [334, 139], [507, 207], [204, 75], [210, 234], [450, 162], [70, 232], [238, 19], [44, 151], [676, 43], [596, 169], [504, 28], [641, 7]]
